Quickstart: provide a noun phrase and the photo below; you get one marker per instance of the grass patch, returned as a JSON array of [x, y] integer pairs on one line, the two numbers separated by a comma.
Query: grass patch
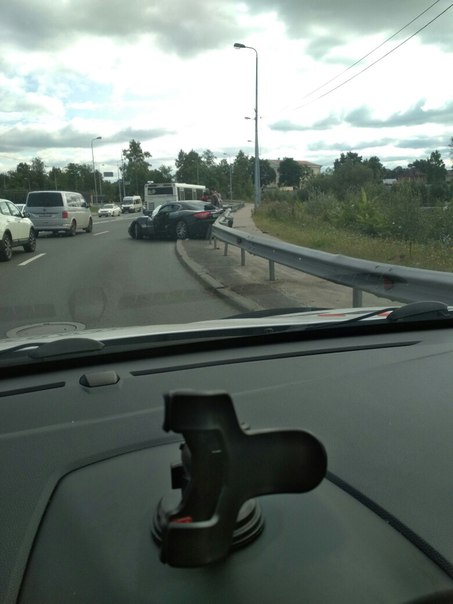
[[322, 236]]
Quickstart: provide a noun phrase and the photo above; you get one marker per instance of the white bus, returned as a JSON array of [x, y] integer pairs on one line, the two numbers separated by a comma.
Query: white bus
[[159, 193]]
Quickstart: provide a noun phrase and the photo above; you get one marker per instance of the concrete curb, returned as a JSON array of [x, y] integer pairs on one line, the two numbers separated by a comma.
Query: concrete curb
[[240, 302]]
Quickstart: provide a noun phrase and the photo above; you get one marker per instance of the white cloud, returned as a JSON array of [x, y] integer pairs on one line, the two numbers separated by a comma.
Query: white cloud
[[169, 72]]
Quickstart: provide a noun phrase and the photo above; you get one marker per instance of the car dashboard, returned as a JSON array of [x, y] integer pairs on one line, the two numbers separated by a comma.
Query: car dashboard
[[86, 462]]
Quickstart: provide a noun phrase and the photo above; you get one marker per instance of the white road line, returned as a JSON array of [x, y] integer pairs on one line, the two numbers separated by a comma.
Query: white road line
[[32, 259], [101, 233]]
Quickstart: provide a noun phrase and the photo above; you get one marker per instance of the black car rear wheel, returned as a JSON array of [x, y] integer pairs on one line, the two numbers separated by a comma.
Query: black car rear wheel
[[182, 232]]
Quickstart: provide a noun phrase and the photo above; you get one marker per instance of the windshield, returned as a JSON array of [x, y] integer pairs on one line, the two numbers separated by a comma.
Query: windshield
[[323, 135], [231, 282]]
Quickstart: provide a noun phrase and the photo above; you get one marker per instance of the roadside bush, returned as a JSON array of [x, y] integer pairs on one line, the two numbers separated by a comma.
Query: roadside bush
[[320, 204], [439, 221], [360, 214], [285, 211], [402, 214], [399, 213]]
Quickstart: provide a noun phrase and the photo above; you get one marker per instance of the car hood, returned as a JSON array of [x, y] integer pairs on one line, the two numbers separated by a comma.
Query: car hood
[[51, 332]]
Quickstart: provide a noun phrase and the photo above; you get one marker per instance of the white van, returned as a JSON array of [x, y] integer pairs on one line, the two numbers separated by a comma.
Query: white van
[[133, 203], [57, 211]]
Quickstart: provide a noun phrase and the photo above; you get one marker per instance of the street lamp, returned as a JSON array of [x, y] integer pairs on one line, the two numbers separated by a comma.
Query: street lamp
[[257, 155], [94, 168]]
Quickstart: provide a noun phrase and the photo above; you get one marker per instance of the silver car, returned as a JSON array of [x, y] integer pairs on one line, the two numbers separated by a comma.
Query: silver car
[[58, 211]]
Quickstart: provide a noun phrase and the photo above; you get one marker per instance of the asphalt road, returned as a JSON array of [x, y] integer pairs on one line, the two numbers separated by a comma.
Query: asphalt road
[[101, 279]]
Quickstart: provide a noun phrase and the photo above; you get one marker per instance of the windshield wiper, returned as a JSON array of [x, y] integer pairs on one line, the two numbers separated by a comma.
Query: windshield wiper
[[67, 346], [39, 350], [414, 311], [425, 310]]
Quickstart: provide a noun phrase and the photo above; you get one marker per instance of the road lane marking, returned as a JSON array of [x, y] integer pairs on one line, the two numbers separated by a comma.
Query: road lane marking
[[32, 259], [101, 233]]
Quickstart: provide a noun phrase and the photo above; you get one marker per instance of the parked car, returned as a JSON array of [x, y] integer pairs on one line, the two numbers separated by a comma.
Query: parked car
[[109, 209], [20, 206], [15, 230], [180, 220], [58, 211]]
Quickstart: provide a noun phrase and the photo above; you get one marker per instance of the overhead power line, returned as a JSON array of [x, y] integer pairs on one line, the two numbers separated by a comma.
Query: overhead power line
[[371, 52]]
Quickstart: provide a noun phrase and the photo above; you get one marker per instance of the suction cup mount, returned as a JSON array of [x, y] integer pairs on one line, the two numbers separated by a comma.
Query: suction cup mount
[[222, 469]]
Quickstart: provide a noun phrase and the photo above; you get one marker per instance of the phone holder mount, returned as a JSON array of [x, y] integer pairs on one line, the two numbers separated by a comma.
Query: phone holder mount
[[222, 469]]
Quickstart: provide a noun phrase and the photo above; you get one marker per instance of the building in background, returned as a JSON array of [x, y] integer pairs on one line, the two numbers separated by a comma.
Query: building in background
[[275, 164]]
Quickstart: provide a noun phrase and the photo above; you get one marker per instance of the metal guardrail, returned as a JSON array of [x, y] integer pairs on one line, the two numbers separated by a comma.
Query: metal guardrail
[[389, 281]]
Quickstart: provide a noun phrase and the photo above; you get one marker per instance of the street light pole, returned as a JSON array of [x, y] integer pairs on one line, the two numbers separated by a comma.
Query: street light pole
[[94, 168], [257, 153]]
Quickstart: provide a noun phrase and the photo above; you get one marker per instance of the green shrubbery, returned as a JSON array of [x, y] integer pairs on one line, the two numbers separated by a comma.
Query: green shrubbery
[[399, 213]]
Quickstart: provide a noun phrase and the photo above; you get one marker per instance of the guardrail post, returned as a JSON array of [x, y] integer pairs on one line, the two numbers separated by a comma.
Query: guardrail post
[[225, 249], [215, 243], [357, 297], [242, 256], [271, 270]]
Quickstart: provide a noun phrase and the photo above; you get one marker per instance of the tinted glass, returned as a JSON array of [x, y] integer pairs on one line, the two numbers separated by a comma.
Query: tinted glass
[[44, 199]]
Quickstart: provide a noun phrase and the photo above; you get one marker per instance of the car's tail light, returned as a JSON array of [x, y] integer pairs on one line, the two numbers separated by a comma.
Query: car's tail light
[[202, 215], [65, 214]]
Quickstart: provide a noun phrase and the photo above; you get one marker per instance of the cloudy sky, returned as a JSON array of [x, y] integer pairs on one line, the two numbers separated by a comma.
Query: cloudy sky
[[166, 74]]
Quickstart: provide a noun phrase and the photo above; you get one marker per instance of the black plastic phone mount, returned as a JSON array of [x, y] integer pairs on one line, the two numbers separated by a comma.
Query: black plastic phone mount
[[223, 468]]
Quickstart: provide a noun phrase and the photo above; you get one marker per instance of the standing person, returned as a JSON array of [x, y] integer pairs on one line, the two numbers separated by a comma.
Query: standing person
[[215, 199]]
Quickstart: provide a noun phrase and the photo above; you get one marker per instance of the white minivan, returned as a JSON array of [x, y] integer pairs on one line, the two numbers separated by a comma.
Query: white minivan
[[132, 203], [58, 211]]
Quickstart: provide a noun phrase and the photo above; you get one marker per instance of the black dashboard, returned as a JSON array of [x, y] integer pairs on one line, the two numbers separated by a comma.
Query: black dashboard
[[85, 462]]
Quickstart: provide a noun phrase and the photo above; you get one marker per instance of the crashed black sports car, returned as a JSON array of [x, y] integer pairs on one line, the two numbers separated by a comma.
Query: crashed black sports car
[[180, 220]]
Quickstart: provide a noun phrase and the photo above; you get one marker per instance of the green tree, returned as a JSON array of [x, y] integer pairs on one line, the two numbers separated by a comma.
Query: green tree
[[162, 174], [188, 168], [136, 167], [23, 176], [38, 174], [56, 178], [349, 158], [350, 173], [290, 173], [267, 173], [78, 177], [437, 169], [208, 158], [242, 181], [433, 168], [223, 171], [375, 165]]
